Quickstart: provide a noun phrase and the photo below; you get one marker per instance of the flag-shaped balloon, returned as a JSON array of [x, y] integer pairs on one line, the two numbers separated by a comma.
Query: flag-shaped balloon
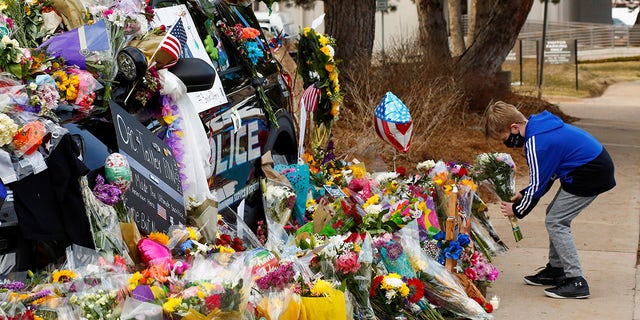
[[393, 122]]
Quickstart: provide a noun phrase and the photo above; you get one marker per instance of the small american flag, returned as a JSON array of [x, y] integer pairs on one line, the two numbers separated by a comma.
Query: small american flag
[[310, 98], [173, 43], [162, 211]]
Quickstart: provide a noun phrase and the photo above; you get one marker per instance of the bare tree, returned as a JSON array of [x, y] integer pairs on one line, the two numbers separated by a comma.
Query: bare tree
[[479, 11], [494, 41], [432, 31], [455, 27]]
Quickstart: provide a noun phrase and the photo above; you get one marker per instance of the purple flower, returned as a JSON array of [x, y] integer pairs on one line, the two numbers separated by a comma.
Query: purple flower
[[107, 193], [394, 250]]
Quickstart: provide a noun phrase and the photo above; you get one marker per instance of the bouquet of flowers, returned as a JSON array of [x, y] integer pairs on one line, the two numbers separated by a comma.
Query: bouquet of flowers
[[248, 42], [390, 293], [279, 201], [497, 172], [442, 288], [318, 67], [322, 300]]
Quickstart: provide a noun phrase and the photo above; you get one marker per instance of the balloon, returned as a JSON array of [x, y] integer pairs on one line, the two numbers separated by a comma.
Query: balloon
[[393, 122], [117, 171], [152, 252], [28, 138]]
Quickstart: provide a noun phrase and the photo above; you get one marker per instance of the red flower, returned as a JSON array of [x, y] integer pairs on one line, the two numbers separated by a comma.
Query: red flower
[[401, 170], [471, 274], [374, 285], [488, 307], [417, 290], [212, 302]]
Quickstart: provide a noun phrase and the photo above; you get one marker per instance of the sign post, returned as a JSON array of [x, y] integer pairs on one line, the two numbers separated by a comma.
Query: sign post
[[382, 6], [562, 52]]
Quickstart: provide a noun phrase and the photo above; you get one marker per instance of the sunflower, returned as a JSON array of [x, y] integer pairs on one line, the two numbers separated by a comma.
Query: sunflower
[[63, 276], [159, 237]]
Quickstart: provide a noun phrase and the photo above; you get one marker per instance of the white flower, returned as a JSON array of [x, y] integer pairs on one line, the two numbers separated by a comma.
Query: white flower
[[383, 177], [424, 166], [373, 209], [390, 294], [393, 282], [8, 129]]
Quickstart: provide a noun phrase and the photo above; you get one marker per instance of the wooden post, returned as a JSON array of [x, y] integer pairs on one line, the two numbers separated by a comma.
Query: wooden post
[[450, 227]]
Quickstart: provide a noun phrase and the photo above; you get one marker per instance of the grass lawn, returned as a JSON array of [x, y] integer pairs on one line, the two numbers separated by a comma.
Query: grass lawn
[[560, 80]]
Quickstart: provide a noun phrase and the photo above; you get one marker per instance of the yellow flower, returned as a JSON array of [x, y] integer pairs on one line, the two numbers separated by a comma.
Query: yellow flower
[[62, 276], [356, 247], [321, 288], [201, 294], [310, 203], [134, 280], [170, 305], [159, 237], [333, 76], [326, 51], [158, 292], [469, 184], [358, 171], [225, 249], [323, 40], [404, 290], [375, 199], [27, 10], [448, 188], [193, 235], [306, 31]]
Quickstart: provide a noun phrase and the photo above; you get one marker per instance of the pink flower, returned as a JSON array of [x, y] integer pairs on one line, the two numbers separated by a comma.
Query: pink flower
[[9, 22], [348, 263], [107, 12]]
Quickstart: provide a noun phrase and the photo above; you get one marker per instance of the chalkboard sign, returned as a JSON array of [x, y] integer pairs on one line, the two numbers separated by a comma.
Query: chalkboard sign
[[155, 194]]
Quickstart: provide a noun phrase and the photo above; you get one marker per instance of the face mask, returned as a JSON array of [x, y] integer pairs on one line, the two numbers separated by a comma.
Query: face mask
[[515, 140]]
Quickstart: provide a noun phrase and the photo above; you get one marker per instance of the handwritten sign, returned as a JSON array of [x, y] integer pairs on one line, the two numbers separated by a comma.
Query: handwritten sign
[[155, 194], [202, 100]]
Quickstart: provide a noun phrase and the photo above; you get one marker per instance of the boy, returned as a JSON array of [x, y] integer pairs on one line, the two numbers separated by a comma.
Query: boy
[[554, 151]]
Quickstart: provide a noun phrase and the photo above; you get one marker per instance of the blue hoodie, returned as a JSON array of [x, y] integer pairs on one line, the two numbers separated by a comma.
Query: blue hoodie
[[556, 150]]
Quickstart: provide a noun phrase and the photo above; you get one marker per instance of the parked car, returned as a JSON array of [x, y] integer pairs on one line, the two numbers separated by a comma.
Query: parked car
[[236, 151]]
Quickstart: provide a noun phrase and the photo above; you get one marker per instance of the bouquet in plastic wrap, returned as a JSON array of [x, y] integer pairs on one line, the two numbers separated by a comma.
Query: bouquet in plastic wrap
[[348, 259], [397, 265], [442, 288], [497, 172], [484, 234], [216, 287], [103, 218], [278, 298]]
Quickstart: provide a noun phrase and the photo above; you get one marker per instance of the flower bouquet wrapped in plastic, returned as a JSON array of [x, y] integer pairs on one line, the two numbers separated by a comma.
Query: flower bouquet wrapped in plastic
[[323, 301], [221, 288], [349, 260], [497, 172], [276, 288], [103, 218], [396, 262], [442, 288], [483, 232]]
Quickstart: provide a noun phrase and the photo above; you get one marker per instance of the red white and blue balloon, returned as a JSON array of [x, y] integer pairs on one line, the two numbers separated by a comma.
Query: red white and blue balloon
[[393, 122]]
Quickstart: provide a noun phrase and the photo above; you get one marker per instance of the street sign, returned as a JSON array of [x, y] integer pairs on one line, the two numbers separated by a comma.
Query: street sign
[[382, 5], [559, 52]]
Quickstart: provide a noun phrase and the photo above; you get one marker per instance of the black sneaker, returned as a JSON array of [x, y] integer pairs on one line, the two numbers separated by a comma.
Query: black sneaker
[[576, 288], [547, 276]]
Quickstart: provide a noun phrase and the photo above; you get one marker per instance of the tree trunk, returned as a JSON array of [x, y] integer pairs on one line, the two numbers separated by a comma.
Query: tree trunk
[[495, 39], [478, 16], [455, 27], [432, 29], [352, 24]]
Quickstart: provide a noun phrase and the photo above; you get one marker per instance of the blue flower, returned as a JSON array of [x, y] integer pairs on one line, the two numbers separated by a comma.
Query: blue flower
[[439, 236], [463, 239], [453, 251], [253, 52]]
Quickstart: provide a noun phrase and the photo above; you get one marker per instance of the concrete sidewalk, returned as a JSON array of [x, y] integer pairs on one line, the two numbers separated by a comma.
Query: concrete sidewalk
[[606, 233]]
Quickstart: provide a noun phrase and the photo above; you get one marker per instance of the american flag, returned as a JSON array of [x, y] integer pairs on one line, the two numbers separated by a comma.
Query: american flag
[[162, 211], [173, 43], [310, 98]]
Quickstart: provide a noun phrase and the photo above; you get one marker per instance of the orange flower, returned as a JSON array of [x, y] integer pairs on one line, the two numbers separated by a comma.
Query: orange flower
[[250, 33], [329, 67]]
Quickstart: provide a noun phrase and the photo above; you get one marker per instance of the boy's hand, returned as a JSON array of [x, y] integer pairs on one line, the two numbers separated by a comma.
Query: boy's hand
[[517, 197], [507, 209]]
